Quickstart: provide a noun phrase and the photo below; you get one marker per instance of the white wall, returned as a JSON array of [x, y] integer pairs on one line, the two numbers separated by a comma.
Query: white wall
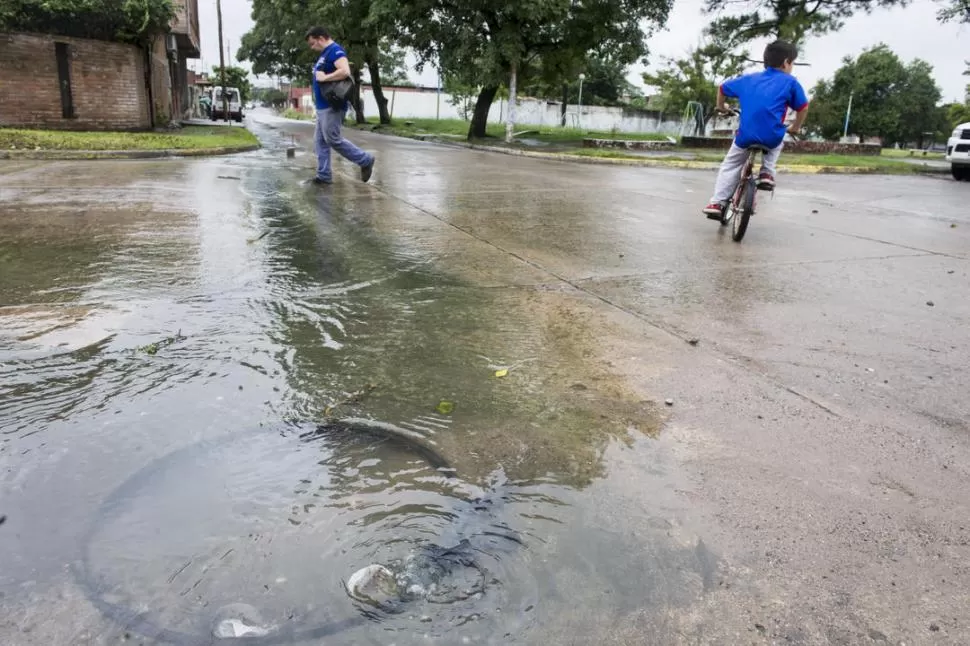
[[529, 112]]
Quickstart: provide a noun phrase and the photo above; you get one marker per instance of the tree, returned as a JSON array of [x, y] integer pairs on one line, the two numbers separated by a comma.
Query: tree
[[276, 44], [270, 96], [792, 20], [890, 100], [238, 78], [696, 76], [958, 10], [605, 84], [393, 65], [483, 43], [127, 21]]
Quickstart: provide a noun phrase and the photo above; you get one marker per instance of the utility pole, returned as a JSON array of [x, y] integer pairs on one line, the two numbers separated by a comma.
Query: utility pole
[[510, 121], [222, 64], [848, 112], [582, 77]]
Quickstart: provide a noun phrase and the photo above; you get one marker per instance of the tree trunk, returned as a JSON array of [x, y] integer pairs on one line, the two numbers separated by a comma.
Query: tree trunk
[[480, 117], [373, 65], [357, 101], [510, 120]]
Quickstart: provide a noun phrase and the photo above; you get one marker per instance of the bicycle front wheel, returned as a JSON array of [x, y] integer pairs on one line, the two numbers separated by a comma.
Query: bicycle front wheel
[[745, 209]]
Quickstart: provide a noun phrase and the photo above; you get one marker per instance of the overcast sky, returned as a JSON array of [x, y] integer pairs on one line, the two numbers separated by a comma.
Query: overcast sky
[[911, 32]]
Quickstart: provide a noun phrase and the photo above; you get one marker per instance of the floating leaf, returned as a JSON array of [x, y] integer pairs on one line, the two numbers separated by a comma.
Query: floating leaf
[[445, 408], [502, 373]]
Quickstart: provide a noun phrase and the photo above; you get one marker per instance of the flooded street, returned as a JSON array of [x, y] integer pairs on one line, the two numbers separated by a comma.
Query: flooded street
[[226, 394]]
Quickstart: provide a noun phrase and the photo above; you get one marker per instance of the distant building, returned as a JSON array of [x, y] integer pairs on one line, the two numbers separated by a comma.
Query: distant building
[[59, 82]]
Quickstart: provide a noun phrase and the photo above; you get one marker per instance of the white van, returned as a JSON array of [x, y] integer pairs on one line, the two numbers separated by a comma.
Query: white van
[[235, 104], [958, 152]]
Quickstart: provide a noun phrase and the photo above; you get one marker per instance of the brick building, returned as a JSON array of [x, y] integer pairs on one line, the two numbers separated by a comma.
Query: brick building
[[67, 83]]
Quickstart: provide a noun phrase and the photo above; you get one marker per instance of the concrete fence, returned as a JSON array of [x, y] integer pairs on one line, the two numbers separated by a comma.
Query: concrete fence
[[422, 103]]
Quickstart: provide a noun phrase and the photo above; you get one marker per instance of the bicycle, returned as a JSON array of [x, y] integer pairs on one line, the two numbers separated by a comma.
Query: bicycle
[[739, 209]]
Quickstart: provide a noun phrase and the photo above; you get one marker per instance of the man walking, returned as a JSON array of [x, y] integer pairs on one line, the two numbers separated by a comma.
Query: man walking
[[332, 66]]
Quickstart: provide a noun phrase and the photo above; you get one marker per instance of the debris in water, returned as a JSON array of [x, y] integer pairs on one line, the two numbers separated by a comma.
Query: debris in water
[[931, 303], [3, 519], [953, 226], [934, 628], [227, 177], [694, 342], [352, 398], [373, 584], [504, 372], [259, 237], [153, 348], [669, 402], [239, 620], [815, 211], [445, 408]]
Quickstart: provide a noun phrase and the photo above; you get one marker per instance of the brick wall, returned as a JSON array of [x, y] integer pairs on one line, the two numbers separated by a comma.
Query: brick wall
[[811, 147], [107, 83]]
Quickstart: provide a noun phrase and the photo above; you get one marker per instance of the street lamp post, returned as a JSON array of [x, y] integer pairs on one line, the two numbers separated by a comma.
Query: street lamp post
[[848, 112], [582, 77]]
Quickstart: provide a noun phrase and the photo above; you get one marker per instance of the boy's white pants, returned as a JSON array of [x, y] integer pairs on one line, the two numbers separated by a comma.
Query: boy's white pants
[[733, 164]]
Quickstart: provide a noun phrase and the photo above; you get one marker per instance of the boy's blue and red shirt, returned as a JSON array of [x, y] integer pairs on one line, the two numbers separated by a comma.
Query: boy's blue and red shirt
[[327, 63], [765, 98]]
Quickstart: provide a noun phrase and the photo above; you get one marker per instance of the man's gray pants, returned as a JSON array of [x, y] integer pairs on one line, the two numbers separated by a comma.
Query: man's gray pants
[[731, 167], [328, 137]]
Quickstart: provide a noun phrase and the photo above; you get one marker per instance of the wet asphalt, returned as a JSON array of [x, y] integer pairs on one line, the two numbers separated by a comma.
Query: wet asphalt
[[706, 442]]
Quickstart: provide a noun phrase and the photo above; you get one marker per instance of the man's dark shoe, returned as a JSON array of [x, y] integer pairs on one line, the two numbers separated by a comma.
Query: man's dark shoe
[[367, 171], [319, 181]]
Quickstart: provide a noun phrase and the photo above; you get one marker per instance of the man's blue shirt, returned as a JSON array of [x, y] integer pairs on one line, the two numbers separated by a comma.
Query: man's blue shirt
[[327, 63]]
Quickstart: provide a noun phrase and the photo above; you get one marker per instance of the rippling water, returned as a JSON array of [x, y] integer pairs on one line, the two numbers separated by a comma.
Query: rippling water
[[174, 338]]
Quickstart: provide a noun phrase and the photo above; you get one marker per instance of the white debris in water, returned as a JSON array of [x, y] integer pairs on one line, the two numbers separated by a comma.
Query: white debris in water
[[231, 628], [239, 620], [374, 583]]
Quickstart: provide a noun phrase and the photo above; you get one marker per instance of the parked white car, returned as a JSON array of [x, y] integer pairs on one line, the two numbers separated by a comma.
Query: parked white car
[[958, 152]]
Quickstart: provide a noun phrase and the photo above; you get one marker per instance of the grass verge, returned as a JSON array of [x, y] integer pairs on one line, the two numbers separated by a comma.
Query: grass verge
[[456, 128], [188, 138], [290, 113], [867, 163]]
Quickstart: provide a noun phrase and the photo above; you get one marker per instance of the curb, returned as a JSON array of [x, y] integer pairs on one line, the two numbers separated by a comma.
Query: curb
[[803, 169], [123, 154]]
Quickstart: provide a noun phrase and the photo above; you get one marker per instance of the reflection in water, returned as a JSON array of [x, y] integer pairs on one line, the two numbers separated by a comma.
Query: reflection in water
[[287, 302]]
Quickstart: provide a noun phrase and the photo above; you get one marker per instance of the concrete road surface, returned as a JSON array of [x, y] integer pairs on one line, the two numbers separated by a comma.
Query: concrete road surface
[[696, 441]]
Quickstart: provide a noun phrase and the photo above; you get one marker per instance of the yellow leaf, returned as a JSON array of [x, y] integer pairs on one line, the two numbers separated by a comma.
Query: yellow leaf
[[502, 373]]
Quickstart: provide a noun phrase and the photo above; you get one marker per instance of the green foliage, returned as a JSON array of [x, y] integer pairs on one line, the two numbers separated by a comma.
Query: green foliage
[[696, 76], [236, 77], [129, 21], [605, 84], [958, 10], [889, 99], [792, 20], [189, 137], [478, 42], [393, 66], [270, 96]]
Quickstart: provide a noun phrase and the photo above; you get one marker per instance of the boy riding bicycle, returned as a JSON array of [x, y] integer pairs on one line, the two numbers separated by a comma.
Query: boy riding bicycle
[[765, 99]]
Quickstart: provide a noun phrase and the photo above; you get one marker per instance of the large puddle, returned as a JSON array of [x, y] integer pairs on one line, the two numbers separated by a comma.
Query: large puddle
[[234, 407]]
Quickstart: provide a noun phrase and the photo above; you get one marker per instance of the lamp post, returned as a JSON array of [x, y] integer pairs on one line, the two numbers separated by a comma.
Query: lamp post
[[848, 112], [582, 77]]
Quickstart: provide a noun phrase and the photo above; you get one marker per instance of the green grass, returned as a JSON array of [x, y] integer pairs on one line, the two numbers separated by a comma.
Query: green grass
[[875, 163], [918, 154], [290, 113], [456, 128], [188, 138]]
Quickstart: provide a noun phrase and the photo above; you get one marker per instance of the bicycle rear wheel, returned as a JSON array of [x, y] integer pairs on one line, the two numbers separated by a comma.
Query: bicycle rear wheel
[[744, 209]]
